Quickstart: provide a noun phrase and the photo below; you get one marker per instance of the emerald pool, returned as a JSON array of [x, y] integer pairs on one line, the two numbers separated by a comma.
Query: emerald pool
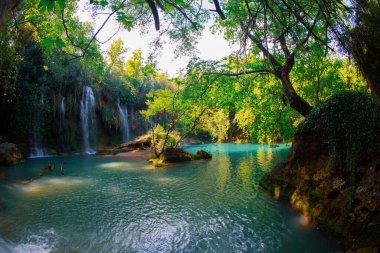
[[116, 204]]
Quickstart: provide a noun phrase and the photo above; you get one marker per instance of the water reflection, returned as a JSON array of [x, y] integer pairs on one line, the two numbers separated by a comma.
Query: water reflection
[[43, 187], [245, 168], [223, 173], [265, 159], [116, 205]]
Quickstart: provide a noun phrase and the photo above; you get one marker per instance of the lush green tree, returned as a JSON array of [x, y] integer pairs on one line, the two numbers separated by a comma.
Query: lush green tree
[[173, 117]]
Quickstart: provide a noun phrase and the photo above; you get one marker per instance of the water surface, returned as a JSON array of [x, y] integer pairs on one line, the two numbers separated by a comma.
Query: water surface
[[123, 205]]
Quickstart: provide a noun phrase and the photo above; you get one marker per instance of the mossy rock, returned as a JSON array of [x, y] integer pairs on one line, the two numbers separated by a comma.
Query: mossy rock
[[348, 121], [172, 155], [333, 165], [201, 154]]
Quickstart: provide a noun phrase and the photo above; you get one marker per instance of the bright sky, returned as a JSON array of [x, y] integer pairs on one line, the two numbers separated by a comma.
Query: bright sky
[[210, 46]]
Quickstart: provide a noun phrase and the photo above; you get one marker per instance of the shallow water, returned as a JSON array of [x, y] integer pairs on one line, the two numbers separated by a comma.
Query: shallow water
[[123, 205]]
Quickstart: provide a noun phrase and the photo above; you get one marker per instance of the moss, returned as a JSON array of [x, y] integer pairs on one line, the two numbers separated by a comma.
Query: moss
[[346, 116], [157, 162], [348, 121]]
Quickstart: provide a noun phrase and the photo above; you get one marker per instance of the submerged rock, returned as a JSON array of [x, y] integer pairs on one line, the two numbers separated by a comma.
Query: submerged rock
[[9, 154], [331, 174]]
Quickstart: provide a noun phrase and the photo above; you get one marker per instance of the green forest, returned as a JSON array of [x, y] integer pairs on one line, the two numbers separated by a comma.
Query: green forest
[[305, 74]]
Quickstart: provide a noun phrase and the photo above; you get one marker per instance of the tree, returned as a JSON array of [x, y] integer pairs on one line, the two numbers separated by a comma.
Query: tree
[[363, 42], [173, 117], [115, 56]]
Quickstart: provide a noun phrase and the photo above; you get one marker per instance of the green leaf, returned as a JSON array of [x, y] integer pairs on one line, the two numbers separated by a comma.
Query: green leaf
[[126, 20], [47, 42], [62, 4], [103, 3], [41, 4], [59, 42], [50, 6]]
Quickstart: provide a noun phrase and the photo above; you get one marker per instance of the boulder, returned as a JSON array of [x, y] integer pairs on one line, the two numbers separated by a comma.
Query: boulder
[[173, 155], [201, 154], [335, 184], [9, 154]]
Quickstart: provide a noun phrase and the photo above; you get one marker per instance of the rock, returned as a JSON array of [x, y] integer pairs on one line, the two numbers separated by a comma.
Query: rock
[[364, 250], [343, 200], [9, 154], [24, 149], [173, 155], [201, 154]]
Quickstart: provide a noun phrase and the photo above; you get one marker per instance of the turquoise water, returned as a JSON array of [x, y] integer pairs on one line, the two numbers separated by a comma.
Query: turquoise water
[[104, 204]]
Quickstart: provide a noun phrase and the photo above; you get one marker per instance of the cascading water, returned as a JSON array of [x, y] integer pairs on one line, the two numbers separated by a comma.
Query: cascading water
[[124, 126], [61, 115], [36, 150], [62, 108], [87, 115]]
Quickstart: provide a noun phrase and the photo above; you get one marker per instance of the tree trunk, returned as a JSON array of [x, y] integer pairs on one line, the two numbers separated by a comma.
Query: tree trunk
[[296, 102], [364, 45], [371, 72], [5, 7]]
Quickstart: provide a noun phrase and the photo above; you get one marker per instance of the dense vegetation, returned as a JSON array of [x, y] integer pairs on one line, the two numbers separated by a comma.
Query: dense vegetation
[[286, 65], [304, 71]]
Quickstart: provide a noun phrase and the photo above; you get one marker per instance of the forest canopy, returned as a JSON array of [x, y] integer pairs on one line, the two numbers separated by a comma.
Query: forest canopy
[[292, 55]]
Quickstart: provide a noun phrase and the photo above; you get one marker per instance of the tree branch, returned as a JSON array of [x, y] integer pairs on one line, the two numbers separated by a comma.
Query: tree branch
[[84, 50], [184, 14], [156, 18], [245, 72], [219, 10]]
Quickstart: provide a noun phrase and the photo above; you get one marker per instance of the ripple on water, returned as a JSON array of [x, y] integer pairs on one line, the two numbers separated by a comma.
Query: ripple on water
[[164, 234], [116, 205], [43, 242]]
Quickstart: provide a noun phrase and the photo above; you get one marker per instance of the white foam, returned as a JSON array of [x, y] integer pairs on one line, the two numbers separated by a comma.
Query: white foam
[[43, 243]]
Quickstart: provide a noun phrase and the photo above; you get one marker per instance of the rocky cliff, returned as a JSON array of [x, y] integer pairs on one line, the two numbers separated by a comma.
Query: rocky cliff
[[332, 173]]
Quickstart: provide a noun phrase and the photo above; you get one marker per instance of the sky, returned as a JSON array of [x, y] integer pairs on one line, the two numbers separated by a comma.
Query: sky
[[210, 46]]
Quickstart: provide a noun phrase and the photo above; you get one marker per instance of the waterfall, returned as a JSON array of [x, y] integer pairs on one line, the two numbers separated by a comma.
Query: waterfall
[[61, 115], [62, 107], [36, 150], [124, 126], [87, 115]]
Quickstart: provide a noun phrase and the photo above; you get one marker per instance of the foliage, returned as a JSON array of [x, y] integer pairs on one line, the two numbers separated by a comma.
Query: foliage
[[46, 52], [162, 139], [348, 122], [256, 103], [175, 113], [363, 42], [348, 115]]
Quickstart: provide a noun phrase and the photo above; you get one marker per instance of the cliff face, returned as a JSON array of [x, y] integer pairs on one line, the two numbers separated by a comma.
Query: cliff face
[[335, 181]]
